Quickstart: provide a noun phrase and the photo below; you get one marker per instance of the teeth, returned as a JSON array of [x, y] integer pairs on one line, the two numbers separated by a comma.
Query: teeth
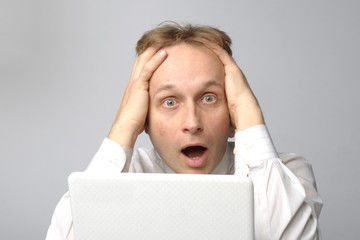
[[195, 158]]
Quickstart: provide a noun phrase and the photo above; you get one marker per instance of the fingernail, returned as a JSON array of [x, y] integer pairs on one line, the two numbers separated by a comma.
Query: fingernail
[[162, 52]]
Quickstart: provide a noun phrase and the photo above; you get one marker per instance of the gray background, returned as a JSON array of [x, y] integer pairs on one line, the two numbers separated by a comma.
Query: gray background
[[64, 66]]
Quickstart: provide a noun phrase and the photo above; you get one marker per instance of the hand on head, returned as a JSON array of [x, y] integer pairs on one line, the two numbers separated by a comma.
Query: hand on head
[[133, 110], [244, 108]]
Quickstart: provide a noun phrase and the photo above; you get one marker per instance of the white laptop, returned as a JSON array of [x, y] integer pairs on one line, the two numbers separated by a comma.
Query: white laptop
[[161, 206]]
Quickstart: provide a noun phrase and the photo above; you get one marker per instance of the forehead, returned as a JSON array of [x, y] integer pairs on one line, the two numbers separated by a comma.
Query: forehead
[[186, 64]]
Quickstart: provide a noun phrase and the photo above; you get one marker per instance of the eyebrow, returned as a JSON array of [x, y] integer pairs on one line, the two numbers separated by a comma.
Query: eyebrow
[[164, 87], [209, 83]]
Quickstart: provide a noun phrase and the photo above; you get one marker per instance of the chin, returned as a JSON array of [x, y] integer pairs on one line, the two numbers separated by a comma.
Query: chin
[[195, 171]]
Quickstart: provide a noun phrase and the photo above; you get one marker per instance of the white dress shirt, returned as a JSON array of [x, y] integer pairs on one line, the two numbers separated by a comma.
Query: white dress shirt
[[286, 202]]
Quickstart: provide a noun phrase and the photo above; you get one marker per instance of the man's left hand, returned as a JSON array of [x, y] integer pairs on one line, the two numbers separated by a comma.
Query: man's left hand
[[243, 106]]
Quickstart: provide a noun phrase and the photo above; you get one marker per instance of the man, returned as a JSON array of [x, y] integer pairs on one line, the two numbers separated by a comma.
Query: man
[[189, 95]]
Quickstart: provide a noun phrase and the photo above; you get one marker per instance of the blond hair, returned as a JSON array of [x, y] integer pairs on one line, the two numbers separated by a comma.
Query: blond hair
[[170, 33]]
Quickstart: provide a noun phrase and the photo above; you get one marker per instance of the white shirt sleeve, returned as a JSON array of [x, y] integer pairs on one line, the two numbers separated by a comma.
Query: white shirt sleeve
[[287, 205], [110, 158], [286, 202]]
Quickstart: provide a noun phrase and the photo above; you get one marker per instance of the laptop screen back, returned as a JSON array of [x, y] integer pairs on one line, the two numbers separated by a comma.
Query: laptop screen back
[[161, 206]]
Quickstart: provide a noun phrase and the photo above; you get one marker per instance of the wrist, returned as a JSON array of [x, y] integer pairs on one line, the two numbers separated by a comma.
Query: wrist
[[123, 136], [248, 118]]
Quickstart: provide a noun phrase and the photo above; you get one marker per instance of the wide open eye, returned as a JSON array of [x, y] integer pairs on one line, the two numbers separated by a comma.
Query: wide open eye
[[169, 102], [209, 98]]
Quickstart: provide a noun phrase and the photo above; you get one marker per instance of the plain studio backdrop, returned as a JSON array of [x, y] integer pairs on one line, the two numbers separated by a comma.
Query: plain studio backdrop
[[64, 66]]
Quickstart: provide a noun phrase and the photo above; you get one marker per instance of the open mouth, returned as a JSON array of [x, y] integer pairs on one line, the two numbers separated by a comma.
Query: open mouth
[[194, 152]]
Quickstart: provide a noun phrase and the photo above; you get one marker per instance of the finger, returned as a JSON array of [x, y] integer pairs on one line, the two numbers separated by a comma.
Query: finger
[[235, 76], [223, 55], [138, 65], [147, 69], [151, 65], [141, 60]]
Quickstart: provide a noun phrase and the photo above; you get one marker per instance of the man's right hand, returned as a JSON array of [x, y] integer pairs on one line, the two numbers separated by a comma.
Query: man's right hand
[[131, 117]]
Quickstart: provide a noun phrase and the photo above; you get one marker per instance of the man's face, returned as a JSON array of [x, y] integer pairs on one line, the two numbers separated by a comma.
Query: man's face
[[188, 119]]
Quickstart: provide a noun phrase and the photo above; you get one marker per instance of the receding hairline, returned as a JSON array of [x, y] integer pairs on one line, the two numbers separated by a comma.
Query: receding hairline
[[169, 34]]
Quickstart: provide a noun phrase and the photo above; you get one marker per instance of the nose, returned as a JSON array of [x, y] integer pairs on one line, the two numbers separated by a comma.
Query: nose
[[192, 121]]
